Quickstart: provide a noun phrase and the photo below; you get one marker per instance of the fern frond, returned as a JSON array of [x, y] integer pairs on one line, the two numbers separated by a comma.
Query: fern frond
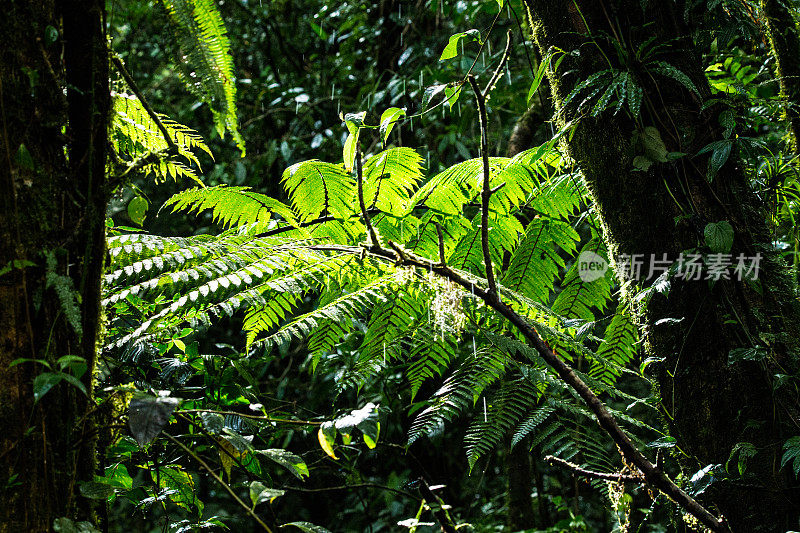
[[320, 189], [577, 297], [618, 346], [347, 307], [531, 423], [231, 206], [459, 392], [207, 69], [536, 262], [430, 357], [389, 179], [468, 253], [506, 408], [133, 133]]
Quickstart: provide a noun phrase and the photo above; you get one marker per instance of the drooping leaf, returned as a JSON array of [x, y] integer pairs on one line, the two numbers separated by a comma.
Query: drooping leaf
[[147, 416], [451, 50]]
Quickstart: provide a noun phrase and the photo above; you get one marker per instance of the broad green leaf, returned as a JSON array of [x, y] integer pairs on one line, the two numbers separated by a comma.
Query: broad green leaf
[[663, 442], [451, 94], [290, 461], [44, 382], [451, 50], [260, 493], [147, 415], [354, 122], [389, 118], [719, 236], [137, 210], [65, 525], [746, 354], [181, 488], [429, 93]]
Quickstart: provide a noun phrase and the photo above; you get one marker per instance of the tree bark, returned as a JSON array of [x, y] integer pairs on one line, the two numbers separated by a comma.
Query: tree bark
[[54, 99], [709, 405], [785, 44]]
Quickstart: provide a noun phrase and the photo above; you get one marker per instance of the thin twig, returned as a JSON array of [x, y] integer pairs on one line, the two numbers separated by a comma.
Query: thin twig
[[499, 70], [219, 480], [618, 476], [486, 193], [355, 486], [133, 87], [373, 237]]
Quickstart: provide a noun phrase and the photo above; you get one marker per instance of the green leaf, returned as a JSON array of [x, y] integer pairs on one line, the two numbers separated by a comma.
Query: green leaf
[[137, 210], [792, 454], [307, 527], [451, 50], [719, 236], [430, 92], [288, 460], [451, 94], [65, 525], [147, 415], [389, 118], [745, 451], [354, 122], [746, 354], [44, 382], [663, 442], [537, 81], [260, 493]]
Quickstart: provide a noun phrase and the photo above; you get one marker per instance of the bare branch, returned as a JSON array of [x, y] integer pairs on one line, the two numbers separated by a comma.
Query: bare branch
[[618, 476]]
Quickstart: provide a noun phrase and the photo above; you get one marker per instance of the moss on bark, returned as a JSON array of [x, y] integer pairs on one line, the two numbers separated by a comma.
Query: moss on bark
[[708, 404]]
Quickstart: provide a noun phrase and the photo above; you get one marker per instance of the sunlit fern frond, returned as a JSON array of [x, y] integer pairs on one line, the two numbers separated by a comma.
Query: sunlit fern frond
[[231, 206], [134, 133], [207, 61]]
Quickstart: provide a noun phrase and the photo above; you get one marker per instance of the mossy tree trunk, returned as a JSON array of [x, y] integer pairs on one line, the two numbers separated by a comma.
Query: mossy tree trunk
[[709, 404], [54, 100], [785, 44]]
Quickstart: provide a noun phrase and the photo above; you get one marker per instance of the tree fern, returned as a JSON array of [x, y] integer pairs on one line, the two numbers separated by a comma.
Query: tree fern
[[207, 69]]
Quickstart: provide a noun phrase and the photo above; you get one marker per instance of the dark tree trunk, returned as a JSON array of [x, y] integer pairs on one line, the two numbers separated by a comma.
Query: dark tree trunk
[[783, 39], [52, 214], [709, 404], [520, 485]]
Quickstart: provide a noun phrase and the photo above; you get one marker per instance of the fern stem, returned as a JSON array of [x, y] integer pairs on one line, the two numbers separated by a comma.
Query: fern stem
[[373, 237], [486, 193], [219, 480], [133, 87]]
